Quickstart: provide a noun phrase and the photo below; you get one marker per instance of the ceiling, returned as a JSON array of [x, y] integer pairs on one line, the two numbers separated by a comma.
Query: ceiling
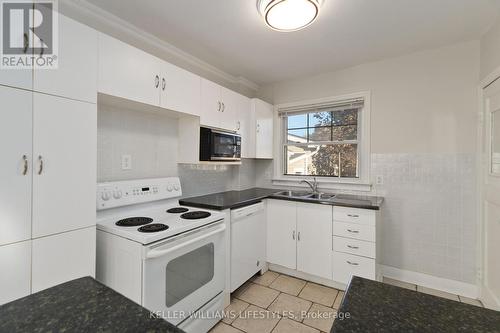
[[231, 35]]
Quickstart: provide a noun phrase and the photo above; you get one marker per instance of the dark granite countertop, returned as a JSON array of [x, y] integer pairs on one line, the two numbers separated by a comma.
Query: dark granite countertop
[[236, 199], [377, 307], [82, 305]]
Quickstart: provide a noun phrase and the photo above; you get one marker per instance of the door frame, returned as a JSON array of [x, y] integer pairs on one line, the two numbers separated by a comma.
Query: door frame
[[483, 156]]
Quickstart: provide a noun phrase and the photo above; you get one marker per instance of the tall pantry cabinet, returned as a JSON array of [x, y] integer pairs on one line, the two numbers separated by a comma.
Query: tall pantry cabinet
[[48, 126]]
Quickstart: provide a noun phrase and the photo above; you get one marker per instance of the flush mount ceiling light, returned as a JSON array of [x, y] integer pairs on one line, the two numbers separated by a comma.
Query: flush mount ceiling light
[[289, 15]]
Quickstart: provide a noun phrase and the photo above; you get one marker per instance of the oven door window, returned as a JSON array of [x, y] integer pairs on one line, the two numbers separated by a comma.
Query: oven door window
[[223, 145], [188, 273]]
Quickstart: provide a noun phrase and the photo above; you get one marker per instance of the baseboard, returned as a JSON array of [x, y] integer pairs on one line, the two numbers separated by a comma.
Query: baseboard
[[430, 281], [307, 277], [489, 299]]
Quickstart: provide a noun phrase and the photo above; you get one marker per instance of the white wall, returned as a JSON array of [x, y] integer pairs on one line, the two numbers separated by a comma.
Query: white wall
[[490, 50], [423, 142]]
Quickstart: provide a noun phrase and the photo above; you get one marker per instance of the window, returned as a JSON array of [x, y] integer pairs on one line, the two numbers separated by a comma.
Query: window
[[324, 139]]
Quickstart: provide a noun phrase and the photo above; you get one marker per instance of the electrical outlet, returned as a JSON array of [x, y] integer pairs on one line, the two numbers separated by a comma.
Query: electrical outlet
[[126, 162], [379, 180]]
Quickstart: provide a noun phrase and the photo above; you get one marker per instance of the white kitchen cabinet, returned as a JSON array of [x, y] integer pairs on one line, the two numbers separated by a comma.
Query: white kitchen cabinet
[[264, 117], [282, 233], [76, 75], [180, 90], [346, 265], [211, 105], [65, 134], [63, 257], [127, 72], [230, 109], [246, 128], [15, 277], [314, 248], [15, 169]]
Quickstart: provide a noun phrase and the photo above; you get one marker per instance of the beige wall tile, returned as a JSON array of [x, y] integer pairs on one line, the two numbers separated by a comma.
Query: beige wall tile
[[319, 294], [256, 320], [288, 284], [290, 307], [259, 295]]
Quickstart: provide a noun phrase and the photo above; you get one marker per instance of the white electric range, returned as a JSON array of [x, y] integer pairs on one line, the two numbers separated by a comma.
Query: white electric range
[[166, 257]]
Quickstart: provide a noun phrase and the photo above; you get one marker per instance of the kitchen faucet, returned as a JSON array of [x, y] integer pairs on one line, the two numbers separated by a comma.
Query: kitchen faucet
[[313, 185]]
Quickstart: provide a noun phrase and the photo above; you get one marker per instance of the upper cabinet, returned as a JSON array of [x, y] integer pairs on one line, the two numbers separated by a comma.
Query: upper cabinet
[[264, 116], [127, 72], [220, 106], [76, 75]]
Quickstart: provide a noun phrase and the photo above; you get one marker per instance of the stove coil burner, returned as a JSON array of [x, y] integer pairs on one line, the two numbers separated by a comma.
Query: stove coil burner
[[134, 221], [195, 215], [177, 210], [155, 227]]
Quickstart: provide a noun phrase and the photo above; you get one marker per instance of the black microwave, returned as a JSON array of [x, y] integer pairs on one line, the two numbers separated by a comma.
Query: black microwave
[[217, 145]]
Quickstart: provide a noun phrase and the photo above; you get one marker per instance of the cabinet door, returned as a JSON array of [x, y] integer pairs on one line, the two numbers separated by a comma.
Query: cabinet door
[[15, 168], [246, 128], [211, 104], [230, 109], [264, 129], [15, 279], [76, 75], [180, 90], [127, 72], [314, 239], [18, 78], [64, 179], [63, 257], [281, 233]]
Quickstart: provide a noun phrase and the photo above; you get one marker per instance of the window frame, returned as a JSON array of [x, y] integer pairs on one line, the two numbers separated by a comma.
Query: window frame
[[327, 182]]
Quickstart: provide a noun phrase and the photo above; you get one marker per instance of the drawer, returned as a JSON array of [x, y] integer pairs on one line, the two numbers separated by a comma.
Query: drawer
[[354, 215], [354, 246], [346, 265], [352, 230]]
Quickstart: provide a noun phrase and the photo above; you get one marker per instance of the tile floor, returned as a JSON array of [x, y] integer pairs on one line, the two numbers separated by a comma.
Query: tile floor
[[279, 303]]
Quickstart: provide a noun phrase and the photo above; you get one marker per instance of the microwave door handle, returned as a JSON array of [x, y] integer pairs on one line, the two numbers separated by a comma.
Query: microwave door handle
[[159, 253]]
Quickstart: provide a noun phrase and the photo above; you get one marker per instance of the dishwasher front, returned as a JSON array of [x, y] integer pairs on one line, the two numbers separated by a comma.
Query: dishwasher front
[[248, 243]]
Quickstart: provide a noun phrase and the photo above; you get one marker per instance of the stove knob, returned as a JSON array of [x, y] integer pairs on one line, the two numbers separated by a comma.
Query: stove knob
[[117, 194], [169, 188], [176, 187], [106, 195]]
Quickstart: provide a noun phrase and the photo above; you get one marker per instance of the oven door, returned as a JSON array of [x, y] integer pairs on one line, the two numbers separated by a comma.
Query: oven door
[[183, 274], [225, 146]]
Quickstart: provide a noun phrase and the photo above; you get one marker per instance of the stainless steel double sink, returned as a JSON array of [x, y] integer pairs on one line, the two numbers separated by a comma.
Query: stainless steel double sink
[[305, 195]]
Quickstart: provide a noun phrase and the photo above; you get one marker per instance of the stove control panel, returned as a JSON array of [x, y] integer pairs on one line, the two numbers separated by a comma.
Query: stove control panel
[[123, 193]]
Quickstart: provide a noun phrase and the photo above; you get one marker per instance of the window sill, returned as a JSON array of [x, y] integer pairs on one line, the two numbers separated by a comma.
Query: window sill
[[325, 184]]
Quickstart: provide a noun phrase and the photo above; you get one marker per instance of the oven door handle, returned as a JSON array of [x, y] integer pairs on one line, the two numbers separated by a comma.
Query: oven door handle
[[159, 253]]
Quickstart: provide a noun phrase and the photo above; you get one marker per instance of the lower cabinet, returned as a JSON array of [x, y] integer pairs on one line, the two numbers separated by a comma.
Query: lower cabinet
[[298, 236], [63, 257], [15, 265]]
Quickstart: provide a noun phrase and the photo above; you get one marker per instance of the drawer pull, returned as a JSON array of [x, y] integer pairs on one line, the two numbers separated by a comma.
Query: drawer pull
[[353, 231], [352, 263], [353, 215], [353, 247]]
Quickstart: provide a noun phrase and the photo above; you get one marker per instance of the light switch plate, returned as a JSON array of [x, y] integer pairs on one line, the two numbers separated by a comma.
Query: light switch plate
[[126, 162]]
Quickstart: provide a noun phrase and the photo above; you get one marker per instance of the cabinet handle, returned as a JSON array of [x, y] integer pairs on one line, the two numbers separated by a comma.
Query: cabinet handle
[[219, 106], [352, 263], [353, 231], [298, 236], [239, 125], [258, 128], [40, 159], [25, 165], [258, 263], [353, 247], [223, 107], [41, 48], [163, 84], [353, 215], [157, 81], [26, 43], [293, 235]]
